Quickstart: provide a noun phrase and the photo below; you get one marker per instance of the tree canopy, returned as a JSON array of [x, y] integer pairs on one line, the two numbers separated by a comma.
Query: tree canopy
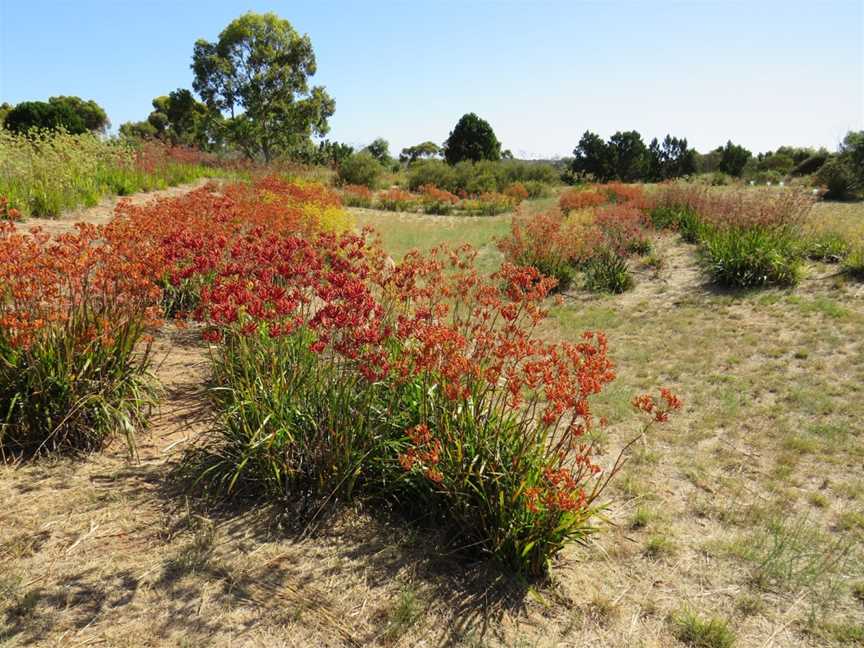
[[472, 139], [425, 150], [257, 73], [73, 114]]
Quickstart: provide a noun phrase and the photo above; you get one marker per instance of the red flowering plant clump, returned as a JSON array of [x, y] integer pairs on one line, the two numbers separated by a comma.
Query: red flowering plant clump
[[625, 228], [498, 445], [357, 196], [7, 212], [73, 310], [578, 199], [551, 242], [397, 200], [437, 201]]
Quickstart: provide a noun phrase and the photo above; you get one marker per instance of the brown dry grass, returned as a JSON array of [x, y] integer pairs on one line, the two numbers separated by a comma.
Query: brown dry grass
[[748, 508]]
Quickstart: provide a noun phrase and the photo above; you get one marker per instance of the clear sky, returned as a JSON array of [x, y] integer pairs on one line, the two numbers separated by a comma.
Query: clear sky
[[761, 73]]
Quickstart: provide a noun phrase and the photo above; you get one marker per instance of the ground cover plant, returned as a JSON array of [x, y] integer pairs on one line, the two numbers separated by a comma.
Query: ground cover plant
[[430, 199]]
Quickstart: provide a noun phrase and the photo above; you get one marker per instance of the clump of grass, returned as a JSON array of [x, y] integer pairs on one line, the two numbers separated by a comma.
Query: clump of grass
[[608, 272], [745, 258], [403, 615], [853, 264], [826, 246], [659, 546], [693, 630], [641, 518]]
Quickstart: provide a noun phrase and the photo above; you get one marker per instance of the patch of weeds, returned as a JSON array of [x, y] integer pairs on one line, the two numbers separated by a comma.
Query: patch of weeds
[[791, 553], [659, 545], [858, 591], [844, 633], [851, 521], [800, 444], [818, 500], [693, 630], [404, 614], [749, 604], [195, 555], [601, 610], [641, 518]]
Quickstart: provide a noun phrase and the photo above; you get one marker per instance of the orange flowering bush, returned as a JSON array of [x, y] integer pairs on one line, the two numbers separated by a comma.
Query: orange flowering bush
[[624, 227], [7, 212], [397, 200], [517, 192], [357, 195], [437, 201], [577, 199], [550, 242], [73, 310]]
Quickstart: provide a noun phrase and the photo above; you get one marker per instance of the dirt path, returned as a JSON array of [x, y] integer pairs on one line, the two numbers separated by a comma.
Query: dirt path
[[104, 211]]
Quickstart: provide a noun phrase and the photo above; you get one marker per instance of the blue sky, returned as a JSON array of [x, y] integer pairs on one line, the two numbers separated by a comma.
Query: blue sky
[[760, 73]]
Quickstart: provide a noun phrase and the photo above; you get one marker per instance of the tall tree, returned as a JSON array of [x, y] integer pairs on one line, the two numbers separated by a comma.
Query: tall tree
[[380, 150], [733, 158], [258, 74], [472, 139], [670, 159], [629, 156], [593, 157]]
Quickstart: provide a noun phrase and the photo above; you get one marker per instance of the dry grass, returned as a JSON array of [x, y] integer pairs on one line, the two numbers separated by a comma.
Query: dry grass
[[748, 509]]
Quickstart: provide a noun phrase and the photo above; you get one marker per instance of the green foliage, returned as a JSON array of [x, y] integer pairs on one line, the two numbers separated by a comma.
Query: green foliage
[[629, 156], [179, 119], [592, 157], [810, 164], [748, 257], [827, 246], [671, 159], [261, 66], [733, 159], [608, 272], [852, 150], [423, 151], [360, 169], [480, 177], [57, 396], [290, 421], [695, 631], [838, 178], [72, 114], [853, 264], [45, 173], [471, 139], [380, 150]]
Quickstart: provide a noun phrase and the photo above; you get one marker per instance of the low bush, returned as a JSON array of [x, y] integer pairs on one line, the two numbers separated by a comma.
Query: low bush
[[853, 264], [756, 256], [624, 229], [837, 178], [608, 272], [397, 200], [437, 201], [826, 246], [357, 196], [472, 178], [360, 169], [577, 199], [74, 312]]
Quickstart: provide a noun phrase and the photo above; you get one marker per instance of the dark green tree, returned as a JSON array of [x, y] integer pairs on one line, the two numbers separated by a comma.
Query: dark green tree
[[593, 157], [472, 139], [257, 73], [733, 158], [670, 159], [73, 114], [629, 156]]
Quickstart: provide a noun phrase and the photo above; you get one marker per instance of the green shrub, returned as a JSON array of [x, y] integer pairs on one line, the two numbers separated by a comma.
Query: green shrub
[[291, 421], [485, 176], [360, 169], [432, 172], [743, 258], [538, 189], [838, 179], [853, 264], [608, 272], [827, 246]]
